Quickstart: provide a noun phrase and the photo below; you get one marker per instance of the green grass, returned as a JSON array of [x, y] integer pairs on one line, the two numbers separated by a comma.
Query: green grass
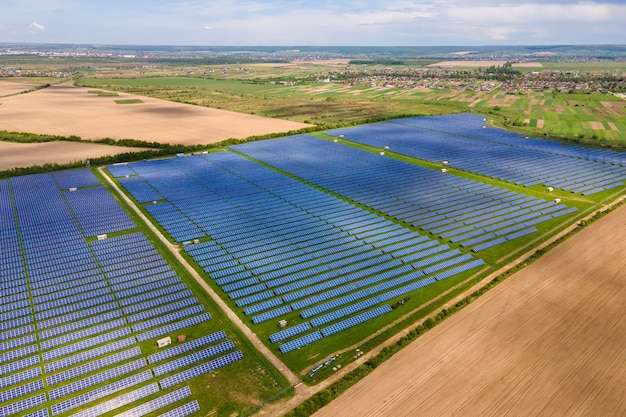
[[129, 101]]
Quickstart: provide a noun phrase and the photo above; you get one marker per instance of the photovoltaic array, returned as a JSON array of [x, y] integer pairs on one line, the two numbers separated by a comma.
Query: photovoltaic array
[[467, 143], [279, 246], [474, 214], [73, 308]]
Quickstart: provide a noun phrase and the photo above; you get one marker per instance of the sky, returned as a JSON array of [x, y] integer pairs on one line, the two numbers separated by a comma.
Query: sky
[[314, 22]]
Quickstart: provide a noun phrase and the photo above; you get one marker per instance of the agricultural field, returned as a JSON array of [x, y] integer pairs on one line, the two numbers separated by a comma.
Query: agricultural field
[[22, 155], [299, 93], [7, 88], [67, 110]]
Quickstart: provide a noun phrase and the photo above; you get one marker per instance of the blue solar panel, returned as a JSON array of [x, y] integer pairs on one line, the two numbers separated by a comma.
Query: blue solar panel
[[187, 346], [300, 342], [118, 401], [88, 354], [201, 369], [22, 405], [20, 391], [191, 321], [290, 332], [353, 321], [95, 379], [157, 403], [100, 392], [183, 410], [193, 357], [93, 366]]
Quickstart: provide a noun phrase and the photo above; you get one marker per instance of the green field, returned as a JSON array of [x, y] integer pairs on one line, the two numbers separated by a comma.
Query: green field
[[129, 101], [597, 119]]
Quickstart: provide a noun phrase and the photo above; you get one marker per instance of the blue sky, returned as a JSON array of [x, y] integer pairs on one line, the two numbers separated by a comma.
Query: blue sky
[[318, 23]]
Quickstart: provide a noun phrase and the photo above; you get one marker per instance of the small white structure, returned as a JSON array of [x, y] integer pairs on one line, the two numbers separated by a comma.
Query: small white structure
[[102, 237], [341, 136], [164, 342], [550, 189], [386, 147], [382, 153], [282, 323], [557, 200], [444, 170], [335, 140], [445, 162]]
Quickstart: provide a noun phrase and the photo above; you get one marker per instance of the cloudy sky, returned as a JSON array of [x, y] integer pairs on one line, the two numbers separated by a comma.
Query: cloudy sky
[[317, 23]]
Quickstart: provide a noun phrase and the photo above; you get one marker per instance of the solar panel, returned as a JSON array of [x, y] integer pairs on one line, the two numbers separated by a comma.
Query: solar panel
[[22, 405], [193, 357], [187, 346], [100, 392], [119, 401], [95, 379], [93, 366], [201, 369], [184, 410], [157, 403]]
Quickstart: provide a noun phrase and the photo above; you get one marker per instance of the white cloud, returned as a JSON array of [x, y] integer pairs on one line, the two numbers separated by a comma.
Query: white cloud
[[36, 27], [207, 27]]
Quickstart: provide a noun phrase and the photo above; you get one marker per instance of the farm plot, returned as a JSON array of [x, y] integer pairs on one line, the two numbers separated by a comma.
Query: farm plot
[[8, 88], [82, 313], [66, 111], [17, 155], [547, 341]]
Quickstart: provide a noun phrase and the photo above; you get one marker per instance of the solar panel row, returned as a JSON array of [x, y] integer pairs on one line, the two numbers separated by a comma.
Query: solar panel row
[[203, 368], [118, 401], [100, 392], [184, 410], [193, 358], [159, 402], [190, 345]]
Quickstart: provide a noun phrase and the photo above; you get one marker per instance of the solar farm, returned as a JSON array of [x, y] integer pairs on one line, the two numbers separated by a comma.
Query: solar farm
[[311, 241], [76, 308]]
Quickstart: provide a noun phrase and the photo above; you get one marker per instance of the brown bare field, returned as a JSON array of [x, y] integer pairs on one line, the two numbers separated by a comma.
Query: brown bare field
[[506, 101], [548, 341], [7, 88], [540, 123], [613, 126], [67, 110], [20, 155], [473, 64], [476, 64], [528, 65], [596, 125], [615, 108]]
